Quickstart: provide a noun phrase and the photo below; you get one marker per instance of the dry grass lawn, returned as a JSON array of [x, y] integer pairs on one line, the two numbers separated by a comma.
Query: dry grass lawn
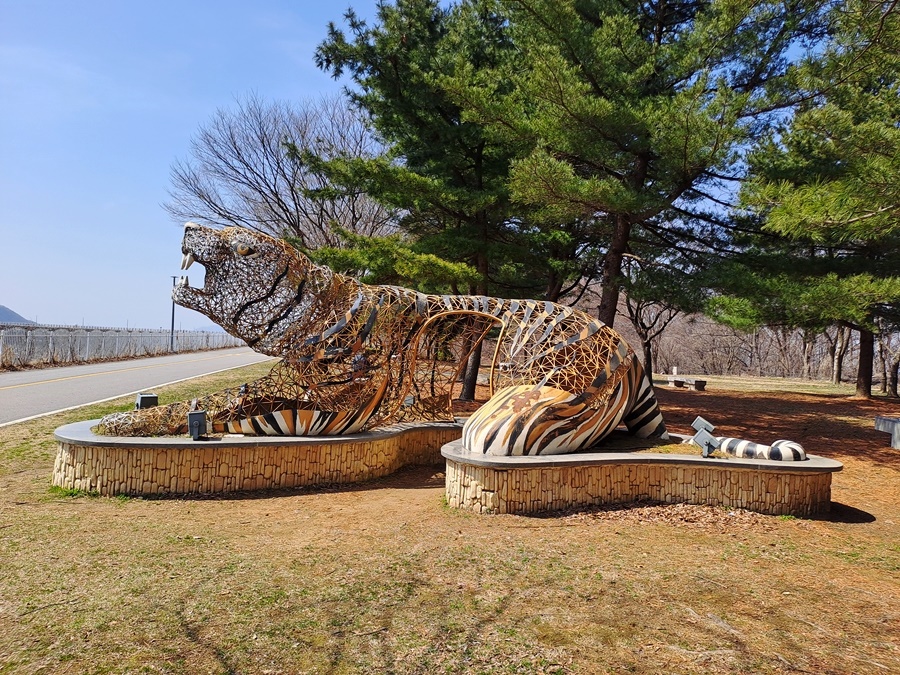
[[383, 578]]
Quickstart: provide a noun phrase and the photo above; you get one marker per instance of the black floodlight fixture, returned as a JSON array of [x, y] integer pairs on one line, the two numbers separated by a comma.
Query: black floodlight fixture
[[701, 423], [197, 424], [146, 401], [703, 437], [707, 441]]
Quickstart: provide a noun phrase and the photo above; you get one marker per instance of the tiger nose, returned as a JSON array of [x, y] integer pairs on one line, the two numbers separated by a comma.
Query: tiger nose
[[191, 226]]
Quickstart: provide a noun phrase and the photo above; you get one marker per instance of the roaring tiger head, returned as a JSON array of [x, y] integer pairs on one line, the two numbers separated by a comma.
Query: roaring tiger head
[[255, 284]]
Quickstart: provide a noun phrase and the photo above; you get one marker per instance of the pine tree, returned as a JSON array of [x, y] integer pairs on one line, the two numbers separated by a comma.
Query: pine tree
[[829, 181], [635, 111]]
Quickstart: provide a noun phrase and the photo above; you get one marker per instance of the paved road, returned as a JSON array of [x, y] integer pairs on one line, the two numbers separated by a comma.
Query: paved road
[[27, 394]]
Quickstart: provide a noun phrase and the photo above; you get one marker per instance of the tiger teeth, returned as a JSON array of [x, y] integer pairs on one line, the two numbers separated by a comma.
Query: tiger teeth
[[183, 281], [187, 260]]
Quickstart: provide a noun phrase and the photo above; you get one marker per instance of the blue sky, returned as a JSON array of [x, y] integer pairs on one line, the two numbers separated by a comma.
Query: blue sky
[[97, 100]]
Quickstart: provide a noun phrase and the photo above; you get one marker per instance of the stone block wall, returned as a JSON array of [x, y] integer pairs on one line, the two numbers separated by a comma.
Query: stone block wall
[[521, 485], [522, 490], [134, 466]]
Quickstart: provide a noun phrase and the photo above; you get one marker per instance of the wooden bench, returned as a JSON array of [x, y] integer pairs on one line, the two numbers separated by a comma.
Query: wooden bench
[[690, 383], [890, 425]]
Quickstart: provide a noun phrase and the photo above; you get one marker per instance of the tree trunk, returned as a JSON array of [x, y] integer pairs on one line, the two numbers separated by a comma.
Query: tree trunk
[[554, 287], [471, 380], [612, 270], [883, 363], [648, 359], [893, 373], [832, 350], [807, 355], [866, 359], [840, 351], [755, 354], [466, 349]]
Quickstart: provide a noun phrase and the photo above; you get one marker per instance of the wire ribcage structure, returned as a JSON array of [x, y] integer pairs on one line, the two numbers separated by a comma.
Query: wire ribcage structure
[[356, 356]]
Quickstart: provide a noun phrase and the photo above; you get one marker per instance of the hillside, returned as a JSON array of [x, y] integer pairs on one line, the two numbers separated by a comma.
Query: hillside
[[9, 316]]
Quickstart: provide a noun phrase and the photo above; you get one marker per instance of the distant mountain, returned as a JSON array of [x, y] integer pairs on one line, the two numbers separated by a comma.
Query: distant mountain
[[9, 316]]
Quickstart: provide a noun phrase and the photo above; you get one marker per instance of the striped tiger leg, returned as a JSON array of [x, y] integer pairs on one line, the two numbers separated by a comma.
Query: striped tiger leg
[[533, 420], [298, 421], [295, 423], [644, 418]]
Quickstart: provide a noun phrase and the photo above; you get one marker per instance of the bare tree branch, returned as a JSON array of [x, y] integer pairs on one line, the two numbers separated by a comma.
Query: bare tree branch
[[242, 172]]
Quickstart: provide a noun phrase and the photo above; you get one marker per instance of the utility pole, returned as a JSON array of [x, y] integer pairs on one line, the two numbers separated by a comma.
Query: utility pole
[[172, 330]]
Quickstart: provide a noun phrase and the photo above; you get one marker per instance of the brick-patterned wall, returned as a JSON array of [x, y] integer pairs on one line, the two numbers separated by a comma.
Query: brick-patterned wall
[[486, 489], [135, 466], [126, 467]]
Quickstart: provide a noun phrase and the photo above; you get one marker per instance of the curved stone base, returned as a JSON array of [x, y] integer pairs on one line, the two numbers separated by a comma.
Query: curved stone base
[[525, 485], [113, 465]]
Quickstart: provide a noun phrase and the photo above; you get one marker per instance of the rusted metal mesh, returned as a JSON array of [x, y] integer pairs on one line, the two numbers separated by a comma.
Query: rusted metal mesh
[[356, 356]]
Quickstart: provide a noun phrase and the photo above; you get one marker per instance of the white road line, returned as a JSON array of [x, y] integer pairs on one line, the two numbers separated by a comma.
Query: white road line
[[112, 372], [130, 393]]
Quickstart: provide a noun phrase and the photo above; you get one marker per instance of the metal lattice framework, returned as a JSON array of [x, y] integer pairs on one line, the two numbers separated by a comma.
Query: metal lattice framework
[[356, 356]]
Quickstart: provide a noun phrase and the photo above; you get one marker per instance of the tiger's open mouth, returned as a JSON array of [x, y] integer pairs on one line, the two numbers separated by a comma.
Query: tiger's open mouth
[[188, 258], [183, 281]]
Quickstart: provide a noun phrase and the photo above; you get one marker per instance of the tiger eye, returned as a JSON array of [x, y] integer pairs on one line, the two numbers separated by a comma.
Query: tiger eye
[[242, 249]]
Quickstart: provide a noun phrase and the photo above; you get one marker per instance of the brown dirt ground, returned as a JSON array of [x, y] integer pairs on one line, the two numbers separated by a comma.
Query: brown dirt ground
[[830, 425]]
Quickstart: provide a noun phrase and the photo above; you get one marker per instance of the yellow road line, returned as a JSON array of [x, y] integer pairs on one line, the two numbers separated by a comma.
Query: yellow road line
[[111, 372]]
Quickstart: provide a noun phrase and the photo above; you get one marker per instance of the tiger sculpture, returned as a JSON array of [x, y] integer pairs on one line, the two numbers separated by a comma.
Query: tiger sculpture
[[356, 356]]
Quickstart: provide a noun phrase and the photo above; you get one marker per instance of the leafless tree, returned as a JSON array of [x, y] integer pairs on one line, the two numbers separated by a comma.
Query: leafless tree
[[838, 338], [697, 345], [246, 169], [649, 320]]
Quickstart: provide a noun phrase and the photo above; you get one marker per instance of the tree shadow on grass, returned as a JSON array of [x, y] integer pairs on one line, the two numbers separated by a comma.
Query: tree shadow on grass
[[413, 477], [843, 513]]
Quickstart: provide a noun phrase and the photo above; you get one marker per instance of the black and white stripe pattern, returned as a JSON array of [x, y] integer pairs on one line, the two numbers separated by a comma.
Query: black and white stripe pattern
[[543, 420], [645, 419], [785, 451]]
